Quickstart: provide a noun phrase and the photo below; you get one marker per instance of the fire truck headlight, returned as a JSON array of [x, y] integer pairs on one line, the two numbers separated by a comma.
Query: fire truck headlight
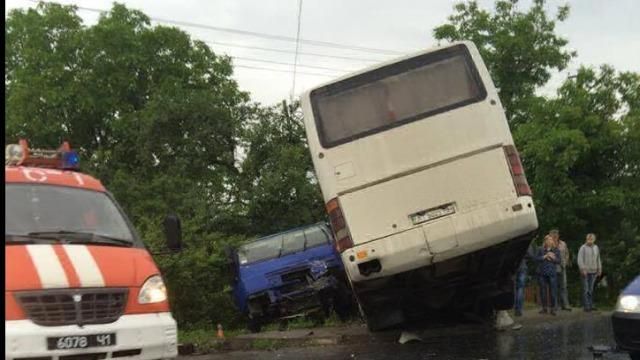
[[153, 291]]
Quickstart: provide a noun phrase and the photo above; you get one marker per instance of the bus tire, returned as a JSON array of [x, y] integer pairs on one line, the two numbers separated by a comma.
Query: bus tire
[[380, 320], [504, 301]]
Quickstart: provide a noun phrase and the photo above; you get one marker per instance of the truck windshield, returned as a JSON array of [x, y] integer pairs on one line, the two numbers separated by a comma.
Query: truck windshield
[[40, 213], [282, 244]]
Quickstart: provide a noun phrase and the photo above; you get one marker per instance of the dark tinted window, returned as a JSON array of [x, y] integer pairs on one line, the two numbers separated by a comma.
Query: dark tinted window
[[315, 236], [274, 246], [293, 242], [263, 249], [396, 94]]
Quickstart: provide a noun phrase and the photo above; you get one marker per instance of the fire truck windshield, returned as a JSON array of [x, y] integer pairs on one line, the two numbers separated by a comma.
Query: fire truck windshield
[[46, 213]]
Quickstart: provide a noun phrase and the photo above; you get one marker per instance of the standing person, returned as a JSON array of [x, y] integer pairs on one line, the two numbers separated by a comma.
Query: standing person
[[565, 259], [590, 267], [548, 257], [521, 280]]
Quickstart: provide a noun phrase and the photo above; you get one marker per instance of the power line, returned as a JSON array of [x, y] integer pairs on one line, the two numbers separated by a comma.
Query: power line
[[289, 64], [295, 61], [220, 43], [256, 34], [281, 70]]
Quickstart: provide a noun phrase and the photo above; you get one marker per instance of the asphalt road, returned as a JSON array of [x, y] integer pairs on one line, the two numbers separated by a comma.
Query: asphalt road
[[558, 340]]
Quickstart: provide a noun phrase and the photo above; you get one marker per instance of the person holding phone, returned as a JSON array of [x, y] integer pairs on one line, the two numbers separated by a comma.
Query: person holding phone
[[548, 257]]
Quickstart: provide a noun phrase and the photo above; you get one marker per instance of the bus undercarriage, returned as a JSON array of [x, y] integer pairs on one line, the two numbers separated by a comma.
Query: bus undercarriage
[[478, 283]]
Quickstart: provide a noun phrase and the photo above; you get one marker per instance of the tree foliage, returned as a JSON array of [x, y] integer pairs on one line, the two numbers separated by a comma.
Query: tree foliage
[[580, 152], [520, 48], [279, 195], [159, 120]]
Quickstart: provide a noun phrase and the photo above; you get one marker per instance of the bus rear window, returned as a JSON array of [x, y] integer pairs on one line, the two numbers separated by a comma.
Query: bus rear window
[[395, 95]]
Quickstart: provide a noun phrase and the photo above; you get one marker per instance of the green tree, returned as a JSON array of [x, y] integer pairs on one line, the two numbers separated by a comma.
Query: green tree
[[279, 184], [520, 49], [155, 115], [580, 150]]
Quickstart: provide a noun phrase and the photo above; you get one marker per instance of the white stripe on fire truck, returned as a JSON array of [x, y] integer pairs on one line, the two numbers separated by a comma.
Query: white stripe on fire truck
[[48, 266], [85, 265]]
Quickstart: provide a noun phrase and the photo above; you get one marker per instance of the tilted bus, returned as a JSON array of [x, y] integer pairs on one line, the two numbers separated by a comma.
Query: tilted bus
[[423, 185]]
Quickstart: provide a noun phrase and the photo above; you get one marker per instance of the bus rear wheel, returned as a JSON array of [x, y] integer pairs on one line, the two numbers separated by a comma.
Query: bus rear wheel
[[506, 299], [378, 320]]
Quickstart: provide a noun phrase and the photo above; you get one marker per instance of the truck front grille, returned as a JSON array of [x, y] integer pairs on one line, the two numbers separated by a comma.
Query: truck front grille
[[55, 307]]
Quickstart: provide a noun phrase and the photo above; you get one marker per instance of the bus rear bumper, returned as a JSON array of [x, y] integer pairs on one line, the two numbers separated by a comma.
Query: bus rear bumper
[[493, 230], [140, 336]]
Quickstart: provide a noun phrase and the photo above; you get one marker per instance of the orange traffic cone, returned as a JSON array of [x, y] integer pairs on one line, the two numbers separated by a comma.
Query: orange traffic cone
[[220, 332]]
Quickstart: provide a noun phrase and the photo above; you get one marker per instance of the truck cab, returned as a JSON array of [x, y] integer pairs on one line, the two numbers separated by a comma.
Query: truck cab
[[289, 274], [79, 282]]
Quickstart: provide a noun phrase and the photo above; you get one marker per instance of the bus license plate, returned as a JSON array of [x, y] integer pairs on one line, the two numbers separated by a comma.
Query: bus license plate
[[433, 213], [81, 341]]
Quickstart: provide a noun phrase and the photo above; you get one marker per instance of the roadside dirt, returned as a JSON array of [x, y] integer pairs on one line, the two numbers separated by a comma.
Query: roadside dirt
[[357, 333]]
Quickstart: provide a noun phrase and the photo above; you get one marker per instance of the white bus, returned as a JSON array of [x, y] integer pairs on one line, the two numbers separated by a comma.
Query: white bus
[[423, 185]]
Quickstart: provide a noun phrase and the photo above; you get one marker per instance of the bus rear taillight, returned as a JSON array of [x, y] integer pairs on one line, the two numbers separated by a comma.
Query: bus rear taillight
[[339, 226], [517, 171]]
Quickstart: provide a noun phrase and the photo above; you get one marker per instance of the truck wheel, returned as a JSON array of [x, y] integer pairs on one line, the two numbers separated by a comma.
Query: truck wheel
[[634, 355], [343, 302], [283, 325], [318, 317], [343, 311], [254, 325]]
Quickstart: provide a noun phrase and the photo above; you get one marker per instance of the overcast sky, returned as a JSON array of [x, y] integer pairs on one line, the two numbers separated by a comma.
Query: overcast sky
[[601, 31]]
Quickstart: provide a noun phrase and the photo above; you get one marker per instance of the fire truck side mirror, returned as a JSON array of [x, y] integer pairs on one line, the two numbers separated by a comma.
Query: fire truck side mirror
[[173, 232]]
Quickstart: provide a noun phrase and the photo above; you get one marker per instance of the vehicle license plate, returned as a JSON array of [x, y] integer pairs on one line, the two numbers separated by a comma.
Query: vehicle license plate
[[81, 341], [432, 214]]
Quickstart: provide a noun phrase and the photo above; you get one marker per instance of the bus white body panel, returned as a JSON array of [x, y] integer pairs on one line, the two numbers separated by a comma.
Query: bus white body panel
[[450, 161]]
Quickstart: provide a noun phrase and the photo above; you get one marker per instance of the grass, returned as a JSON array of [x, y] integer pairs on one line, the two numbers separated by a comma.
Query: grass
[[266, 344], [205, 339], [306, 323]]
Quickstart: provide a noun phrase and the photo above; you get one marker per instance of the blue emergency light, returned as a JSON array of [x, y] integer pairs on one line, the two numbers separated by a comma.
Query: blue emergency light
[[70, 160]]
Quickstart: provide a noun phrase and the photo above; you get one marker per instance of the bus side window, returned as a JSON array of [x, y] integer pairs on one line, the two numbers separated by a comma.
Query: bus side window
[[315, 237]]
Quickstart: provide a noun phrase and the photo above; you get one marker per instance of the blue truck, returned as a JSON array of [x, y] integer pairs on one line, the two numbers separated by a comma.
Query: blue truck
[[290, 274]]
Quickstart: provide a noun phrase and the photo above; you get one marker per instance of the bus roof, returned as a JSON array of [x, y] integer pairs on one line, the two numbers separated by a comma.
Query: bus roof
[[389, 62], [34, 175]]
